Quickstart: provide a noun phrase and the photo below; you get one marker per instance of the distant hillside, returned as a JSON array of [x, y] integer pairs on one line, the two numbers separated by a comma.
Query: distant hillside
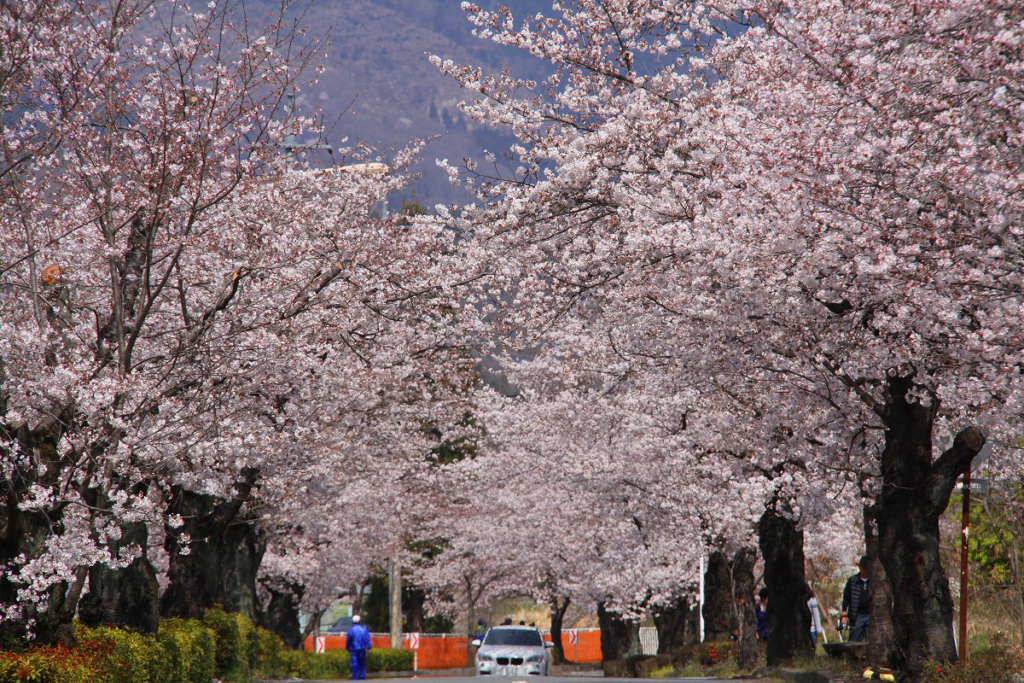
[[379, 81]]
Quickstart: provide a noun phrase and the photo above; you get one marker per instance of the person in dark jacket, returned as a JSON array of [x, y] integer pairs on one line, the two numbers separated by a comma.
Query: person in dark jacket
[[856, 610], [761, 610], [358, 643]]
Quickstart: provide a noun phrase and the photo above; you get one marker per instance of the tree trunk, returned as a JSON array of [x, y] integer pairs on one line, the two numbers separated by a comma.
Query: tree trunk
[[881, 633], [789, 619], [357, 599], [673, 623], [128, 597], [615, 634], [470, 623], [558, 608], [742, 608], [915, 492], [281, 615], [25, 534], [413, 599], [223, 558], [719, 600]]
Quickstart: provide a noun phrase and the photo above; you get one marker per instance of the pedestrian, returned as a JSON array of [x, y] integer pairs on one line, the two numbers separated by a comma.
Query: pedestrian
[[812, 604], [507, 621], [761, 609], [358, 643], [856, 610]]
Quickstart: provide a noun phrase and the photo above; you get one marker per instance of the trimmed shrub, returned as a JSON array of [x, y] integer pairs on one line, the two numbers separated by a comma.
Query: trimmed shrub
[[45, 665], [388, 659], [237, 643], [196, 645], [332, 664], [291, 663], [270, 662], [120, 656], [185, 651]]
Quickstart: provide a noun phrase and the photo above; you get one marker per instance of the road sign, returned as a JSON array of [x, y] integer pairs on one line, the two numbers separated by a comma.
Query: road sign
[[414, 641], [321, 644], [979, 487], [574, 636]]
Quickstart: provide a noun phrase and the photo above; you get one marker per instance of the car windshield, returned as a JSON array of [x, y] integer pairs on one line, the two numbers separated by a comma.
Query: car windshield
[[514, 636]]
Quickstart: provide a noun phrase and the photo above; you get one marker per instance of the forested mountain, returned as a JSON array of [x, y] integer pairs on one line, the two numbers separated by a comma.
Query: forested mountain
[[379, 87]]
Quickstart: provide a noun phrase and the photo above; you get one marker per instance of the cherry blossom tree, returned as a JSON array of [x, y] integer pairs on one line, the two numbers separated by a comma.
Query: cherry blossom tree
[[192, 329], [809, 210]]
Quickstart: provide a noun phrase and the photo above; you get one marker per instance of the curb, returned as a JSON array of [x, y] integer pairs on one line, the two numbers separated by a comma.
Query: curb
[[430, 673]]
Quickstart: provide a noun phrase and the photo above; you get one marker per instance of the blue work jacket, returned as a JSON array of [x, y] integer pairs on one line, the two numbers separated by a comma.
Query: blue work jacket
[[358, 638]]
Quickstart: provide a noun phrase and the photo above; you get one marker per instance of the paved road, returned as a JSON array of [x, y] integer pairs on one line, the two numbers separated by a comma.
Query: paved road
[[548, 679]]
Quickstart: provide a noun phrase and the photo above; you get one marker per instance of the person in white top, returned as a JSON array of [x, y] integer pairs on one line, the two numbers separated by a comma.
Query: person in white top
[[812, 604]]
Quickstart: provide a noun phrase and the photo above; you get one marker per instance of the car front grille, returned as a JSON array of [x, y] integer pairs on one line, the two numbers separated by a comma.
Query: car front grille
[[505, 661]]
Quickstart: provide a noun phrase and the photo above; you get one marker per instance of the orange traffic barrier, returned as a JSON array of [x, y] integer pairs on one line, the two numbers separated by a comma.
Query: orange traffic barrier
[[442, 651], [436, 650], [587, 646], [449, 651]]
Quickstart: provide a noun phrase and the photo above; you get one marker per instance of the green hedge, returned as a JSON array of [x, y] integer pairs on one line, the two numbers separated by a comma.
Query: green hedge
[[237, 644], [196, 647], [334, 664], [386, 659], [45, 665], [223, 645], [270, 656], [119, 656]]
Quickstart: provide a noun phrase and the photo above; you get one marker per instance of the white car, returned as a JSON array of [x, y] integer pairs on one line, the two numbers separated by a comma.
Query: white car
[[512, 651]]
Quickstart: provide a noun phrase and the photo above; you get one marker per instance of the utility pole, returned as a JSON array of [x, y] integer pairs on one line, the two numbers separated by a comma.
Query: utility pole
[[290, 146], [700, 602], [395, 601], [965, 566]]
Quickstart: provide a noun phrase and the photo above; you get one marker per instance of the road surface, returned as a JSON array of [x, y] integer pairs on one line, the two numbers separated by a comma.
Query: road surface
[[536, 679]]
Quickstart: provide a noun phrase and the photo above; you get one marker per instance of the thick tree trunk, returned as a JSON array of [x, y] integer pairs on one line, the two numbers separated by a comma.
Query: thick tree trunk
[[719, 600], [413, 600], [558, 608], [124, 598], [915, 492], [789, 619], [674, 624], [25, 533], [281, 615], [617, 635], [881, 633], [223, 558], [742, 608]]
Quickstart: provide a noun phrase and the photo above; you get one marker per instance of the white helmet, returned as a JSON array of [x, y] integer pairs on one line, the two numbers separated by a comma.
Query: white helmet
[[355, 619]]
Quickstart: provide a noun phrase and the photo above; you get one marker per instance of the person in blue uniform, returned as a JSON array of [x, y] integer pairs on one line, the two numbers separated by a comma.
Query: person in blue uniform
[[358, 643]]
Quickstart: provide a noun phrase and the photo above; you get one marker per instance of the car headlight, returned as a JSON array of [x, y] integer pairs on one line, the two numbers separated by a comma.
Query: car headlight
[[535, 658], [484, 658]]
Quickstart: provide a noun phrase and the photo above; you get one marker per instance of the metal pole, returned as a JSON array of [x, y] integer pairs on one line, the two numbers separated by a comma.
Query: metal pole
[[700, 600], [964, 565], [395, 602]]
